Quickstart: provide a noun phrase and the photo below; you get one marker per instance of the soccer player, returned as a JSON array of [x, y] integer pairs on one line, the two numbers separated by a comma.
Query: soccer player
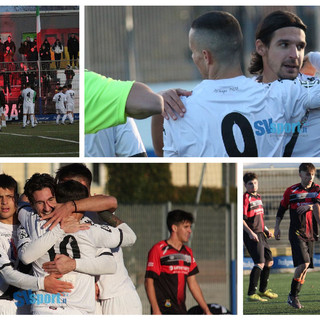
[[70, 94], [117, 293], [171, 266], [255, 239], [60, 100], [108, 102], [82, 244], [13, 274], [303, 229], [279, 54], [29, 97], [123, 140], [244, 117]]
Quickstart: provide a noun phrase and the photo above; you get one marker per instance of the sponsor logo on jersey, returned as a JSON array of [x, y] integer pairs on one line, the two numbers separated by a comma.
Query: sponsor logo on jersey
[[26, 297]]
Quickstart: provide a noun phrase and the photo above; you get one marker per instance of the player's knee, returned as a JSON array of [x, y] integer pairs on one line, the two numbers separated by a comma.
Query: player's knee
[[260, 265]]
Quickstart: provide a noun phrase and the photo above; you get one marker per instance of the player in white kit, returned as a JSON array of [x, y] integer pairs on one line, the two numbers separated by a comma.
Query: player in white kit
[[117, 293], [13, 274], [29, 97], [70, 94], [233, 115], [82, 244], [120, 141], [279, 54], [60, 99]]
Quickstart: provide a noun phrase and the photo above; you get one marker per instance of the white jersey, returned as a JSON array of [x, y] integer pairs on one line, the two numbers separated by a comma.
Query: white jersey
[[8, 251], [307, 143], [29, 97], [82, 244], [238, 117], [70, 95], [60, 99], [120, 141], [119, 283]]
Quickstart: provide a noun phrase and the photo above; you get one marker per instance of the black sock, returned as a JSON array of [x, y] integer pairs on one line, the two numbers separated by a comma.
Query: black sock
[[264, 279], [295, 287], [254, 278]]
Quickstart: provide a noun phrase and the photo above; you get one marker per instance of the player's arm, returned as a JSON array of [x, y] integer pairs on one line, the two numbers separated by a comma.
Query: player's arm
[[311, 63], [151, 293], [94, 203], [31, 250], [316, 212], [279, 218], [104, 263], [142, 102], [25, 281], [105, 236], [197, 293], [252, 235]]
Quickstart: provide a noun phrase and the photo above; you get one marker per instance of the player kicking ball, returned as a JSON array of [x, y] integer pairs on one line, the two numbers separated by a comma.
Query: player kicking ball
[[255, 235]]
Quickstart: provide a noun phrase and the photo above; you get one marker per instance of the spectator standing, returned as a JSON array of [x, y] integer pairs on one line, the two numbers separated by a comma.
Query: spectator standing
[[9, 50], [57, 49], [69, 75], [73, 49], [45, 58]]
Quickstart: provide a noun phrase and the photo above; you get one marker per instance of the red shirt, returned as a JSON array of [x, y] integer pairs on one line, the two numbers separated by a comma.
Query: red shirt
[[253, 212], [170, 269], [302, 225]]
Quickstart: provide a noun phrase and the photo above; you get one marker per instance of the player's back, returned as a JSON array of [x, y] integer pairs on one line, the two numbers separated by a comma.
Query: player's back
[[28, 96], [70, 94], [59, 98], [235, 117]]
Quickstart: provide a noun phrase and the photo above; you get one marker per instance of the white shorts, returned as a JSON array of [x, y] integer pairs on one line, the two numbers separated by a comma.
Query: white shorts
[[61, 111], [8, 307], [70, 107], [54, 310], [28, 109], [129, 303]]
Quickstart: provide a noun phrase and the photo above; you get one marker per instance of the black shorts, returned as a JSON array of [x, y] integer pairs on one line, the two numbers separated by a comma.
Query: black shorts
[[259, 251], [302, 251]]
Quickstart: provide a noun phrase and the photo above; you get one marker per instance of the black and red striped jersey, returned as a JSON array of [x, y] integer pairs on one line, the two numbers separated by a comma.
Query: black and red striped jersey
[[170, 269], [253, 212], [303, 225]]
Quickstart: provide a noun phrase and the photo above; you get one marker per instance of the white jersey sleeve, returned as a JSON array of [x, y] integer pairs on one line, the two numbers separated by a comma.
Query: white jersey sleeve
[[119, 141], [105, 236], [30, 251], [103, 264], [314, 58]]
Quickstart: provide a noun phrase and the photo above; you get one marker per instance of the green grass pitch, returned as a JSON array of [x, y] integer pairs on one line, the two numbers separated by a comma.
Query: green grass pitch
[[280, 283], [45, 140]]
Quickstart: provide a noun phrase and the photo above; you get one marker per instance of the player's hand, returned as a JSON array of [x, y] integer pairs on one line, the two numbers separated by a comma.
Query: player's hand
[[173, 104], [71, 225], [270, 235], [307, 67], [253, 236], [60, 211], [304, 209], [53, 285], [61, 265], [277, 233]]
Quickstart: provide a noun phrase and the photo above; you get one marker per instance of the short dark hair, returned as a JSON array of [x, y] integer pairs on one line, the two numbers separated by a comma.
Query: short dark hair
[[8, 182], [74, 170], [69, 86], [219, 32], [249, 176], [176, 217], [70, 190], [307, 167], [38, 182], [265, 30]]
